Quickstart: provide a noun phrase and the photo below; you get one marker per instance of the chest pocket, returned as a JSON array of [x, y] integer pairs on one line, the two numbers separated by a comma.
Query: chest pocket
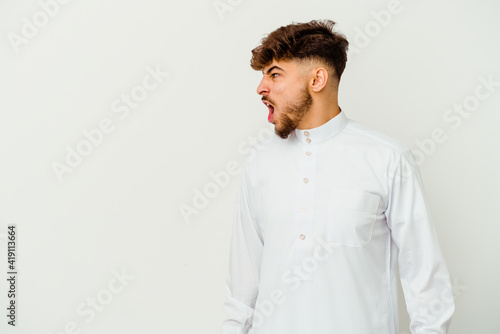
[[351, 216]]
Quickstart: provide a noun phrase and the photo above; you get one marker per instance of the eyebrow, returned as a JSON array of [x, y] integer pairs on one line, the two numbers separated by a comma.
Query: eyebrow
[[272, 68]]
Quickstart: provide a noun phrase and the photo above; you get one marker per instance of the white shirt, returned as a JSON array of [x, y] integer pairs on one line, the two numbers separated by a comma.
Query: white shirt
[[322, 221]]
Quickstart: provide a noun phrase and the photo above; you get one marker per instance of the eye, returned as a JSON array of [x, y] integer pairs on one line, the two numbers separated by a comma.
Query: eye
[[273, 75]]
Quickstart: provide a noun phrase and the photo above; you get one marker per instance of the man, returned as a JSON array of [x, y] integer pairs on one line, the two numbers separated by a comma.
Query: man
[[328, 209]]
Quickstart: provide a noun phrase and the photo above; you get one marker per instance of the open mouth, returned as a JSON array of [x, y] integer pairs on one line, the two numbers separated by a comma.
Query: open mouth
[[270, 117]]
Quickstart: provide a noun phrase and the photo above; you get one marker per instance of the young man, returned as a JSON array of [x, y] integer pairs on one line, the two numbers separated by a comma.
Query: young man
[[328, 209]]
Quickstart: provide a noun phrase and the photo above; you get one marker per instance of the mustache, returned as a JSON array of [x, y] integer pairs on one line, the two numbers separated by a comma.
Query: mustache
[[268, 100]]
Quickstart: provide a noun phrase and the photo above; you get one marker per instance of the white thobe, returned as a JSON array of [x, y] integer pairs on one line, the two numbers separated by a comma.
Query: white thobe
[[322, 221]]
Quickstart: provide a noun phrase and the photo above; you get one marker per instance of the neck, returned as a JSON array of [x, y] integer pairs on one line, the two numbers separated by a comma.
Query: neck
[[321, 111]]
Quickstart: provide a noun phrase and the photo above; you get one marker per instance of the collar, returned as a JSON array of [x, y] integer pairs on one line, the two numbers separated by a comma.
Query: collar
[[323, 132]]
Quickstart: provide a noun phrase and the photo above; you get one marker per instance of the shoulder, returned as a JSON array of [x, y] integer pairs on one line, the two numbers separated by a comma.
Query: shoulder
[[373, 138], [382, 145], [399, 156]]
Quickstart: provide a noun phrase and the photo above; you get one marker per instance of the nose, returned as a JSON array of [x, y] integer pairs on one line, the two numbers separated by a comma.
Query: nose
[[262, 88]]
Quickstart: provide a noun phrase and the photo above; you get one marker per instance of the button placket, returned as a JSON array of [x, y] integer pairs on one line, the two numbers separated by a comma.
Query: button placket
[[304, 206]]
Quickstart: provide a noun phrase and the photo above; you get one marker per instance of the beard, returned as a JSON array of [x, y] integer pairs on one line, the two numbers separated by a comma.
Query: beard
[[292, 114]]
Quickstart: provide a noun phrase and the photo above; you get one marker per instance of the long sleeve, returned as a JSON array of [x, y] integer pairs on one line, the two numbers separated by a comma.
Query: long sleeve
[[424, 275], [244, 265]]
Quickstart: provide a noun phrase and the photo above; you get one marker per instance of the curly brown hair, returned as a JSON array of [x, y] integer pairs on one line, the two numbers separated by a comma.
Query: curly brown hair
[[314, 40]]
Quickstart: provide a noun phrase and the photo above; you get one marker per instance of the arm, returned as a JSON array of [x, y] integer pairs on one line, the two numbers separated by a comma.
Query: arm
[[424, 275], [244, 266]]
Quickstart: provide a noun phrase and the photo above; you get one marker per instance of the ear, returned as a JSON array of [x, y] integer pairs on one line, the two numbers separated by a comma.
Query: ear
[[319, 79]]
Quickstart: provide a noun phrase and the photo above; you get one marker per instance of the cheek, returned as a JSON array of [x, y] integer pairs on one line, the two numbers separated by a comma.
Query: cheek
[[285, 99], [281, 94]]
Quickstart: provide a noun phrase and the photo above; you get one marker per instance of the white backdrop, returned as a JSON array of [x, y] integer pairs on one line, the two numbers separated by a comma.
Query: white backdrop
[[116, 115]]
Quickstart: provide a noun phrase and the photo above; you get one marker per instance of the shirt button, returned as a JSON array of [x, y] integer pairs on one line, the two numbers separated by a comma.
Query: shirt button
[[306, 133], [308, 140], [302, 236], [308, 153], [303, 208], [306, 180]]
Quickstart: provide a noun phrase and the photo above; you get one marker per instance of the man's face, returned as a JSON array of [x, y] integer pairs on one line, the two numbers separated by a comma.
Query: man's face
[[284, 90]]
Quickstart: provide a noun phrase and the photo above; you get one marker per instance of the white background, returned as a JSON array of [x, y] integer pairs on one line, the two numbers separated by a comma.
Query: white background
[[119, 209]]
